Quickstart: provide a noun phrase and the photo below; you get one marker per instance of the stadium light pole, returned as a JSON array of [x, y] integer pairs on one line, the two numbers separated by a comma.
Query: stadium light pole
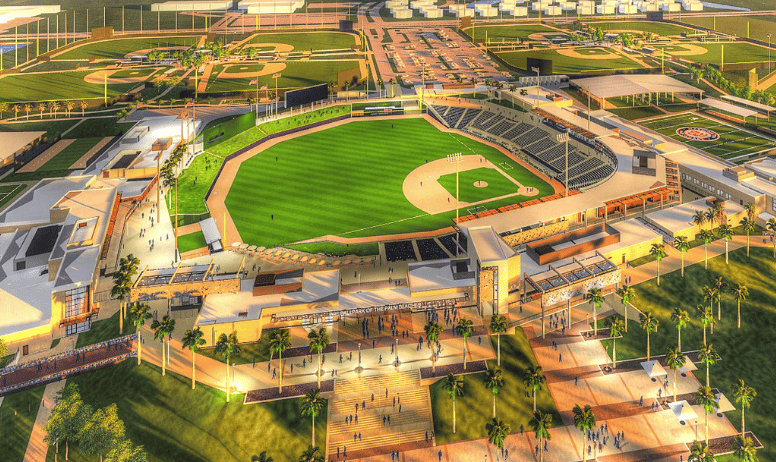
[[769, 53], [536, 69], [456, 157], [564, 138]]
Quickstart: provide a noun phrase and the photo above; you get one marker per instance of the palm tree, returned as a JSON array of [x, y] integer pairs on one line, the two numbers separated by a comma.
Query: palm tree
[[726, 231], [312, 454], [433, 331], [596, 298], [464, 329], [523, 93], [745, 449], [319, 340], [192, 339], [751, 210], [279, 341], [83, 104], [512, 89], [541, 424], [27, 109], [706, 236], [584, 420], [708, 356], [771, 226], [719, 284], [682, 245], [749, 225], [675, 360], [699, 219], [312, 405], [474, 85], [533, 378], [227, 346], [627, 293], [615, 326], [41, 108], [497, 432], [710, 294], [659, 252], [744, 396], [263, 457], [710, 218], [498, 325], [705, 397], [740, 292], [454, 387], [680, 317], [3, 108], [649, 323], [700, 453], [69, 105], [162, 331], [122, 284], [139, 313], [494, 380], [707, 319]]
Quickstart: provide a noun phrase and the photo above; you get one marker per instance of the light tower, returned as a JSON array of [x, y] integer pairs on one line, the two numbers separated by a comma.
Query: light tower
[[456, 157]]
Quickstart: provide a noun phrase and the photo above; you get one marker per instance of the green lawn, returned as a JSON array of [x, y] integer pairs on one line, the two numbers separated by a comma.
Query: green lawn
[[118, 48], [175, 423], [641, 26], [567, 65], [52, 128], [311, 184], [9, 192], [104, 329], [59, 165], [99, 127], [296, 74], [632, 113], [15, 430], [472, 190], [309, 41], [474, 409], [226, 127], [135, 72], [746, 352], [509, 32], [193, 184], [735, 53], [191, 241], [58, 86], [759, 26], [248, 351]]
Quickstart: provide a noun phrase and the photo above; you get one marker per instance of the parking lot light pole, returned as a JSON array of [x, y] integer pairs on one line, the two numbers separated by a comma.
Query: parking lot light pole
[[564, 138], [456, 157]]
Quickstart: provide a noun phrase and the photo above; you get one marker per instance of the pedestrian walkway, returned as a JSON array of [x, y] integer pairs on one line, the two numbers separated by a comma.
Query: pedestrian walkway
[[37, 448]]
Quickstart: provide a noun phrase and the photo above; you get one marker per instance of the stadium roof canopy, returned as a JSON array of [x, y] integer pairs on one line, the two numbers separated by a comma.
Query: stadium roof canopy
[[612, 86], [727, 107], [751, 104]]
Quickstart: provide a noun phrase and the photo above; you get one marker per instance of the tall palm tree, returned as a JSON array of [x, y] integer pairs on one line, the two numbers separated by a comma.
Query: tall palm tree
[[659, 252], [279, 341], [541, 424], [533, 378], [719, 284], [584, 420], [319, 340], [453, 385], [751, 210], [498, 325], [771, 226], [719, 213], [682, 245], [700, 453], [626, 293], [312, 405], [675, 360], [312, 454], [162, 330], [706, 236], [745, 449], [596, 298], [710, 218], [523, 93], [707, 319], [464, 329], [122, 284], [705, 397], [744, 396], [497, 432], [740, 292], [710, 294], [680, 318], [433, 331], [699, 219], [615, 326], [83, 105], [139, 313], [27, 109], [649, 323], [227, 346], [192, 339], [749, 226], [708, 356], [726, 231], [494, 380]]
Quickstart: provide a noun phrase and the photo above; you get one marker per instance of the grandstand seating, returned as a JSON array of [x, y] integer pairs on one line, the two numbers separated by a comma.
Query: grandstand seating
[[467, 117], [399, 251], [483, 121], [430, 250], [531, 136]]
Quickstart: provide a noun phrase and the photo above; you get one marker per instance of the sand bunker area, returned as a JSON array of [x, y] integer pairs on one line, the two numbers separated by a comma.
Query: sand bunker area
[[538, 36], [690, 50], [278, 47], [572, 53], [423, 190], [98, 77], [268, 69]]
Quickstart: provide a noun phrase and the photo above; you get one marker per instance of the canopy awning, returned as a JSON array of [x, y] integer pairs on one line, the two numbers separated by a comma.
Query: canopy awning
[[654, 369], [683, 411], [727, 107]]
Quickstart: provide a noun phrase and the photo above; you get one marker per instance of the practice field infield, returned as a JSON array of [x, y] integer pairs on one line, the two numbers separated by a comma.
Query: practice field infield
[[711, 53], [58, 86], [119, 48], [306, 41], [734, 144], [294, 74], [759, 26], [641, 26], [510, 32], [350, 180], [573, 61]]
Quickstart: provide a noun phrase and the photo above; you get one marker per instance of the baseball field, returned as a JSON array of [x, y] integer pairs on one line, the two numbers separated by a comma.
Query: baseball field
[[573, 61], [510, 32], [663, 29], [306, 42], [119, 48], [57, 86], [711, 53]]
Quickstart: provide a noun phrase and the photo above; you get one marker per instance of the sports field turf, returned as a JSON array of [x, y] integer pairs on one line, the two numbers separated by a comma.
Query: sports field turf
[[53, 128], [746, 353], [59, 165], [297, 74], [104, 329], [347, 181], [133, 72], [307, 42], [734, 144], [569, 65], [470, 190], [193, 184], [641, 26], [759, 26], [735, 53], [98, 127], [175, 423], [15, 430], [119, 48], [58, 86], [191, 241], [9, 192], [510, 32]]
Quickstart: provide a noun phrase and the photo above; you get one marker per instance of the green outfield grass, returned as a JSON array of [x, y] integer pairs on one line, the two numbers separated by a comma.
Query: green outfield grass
[[133, 72], [732, 144], [104, 329], [227, 127], [759, 26], [52, 128], [119, 48], [474, 409], [10, 192], [312, 184], [509, 32], [297, 74], [735, 53], [309, 41], [174, 423], [59, 86], [193, 184], [98, 127], [568, 65], [641, 26], [57, 166], [744, 351], [472, 191], [15, 430], [191, 241]]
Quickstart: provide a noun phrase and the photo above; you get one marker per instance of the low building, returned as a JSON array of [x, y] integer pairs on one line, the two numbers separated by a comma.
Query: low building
[[678, 221]]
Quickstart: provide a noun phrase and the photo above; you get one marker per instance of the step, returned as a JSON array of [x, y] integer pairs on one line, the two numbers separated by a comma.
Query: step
[[376, 422], [348, 406], [377, 383], [383, 440]]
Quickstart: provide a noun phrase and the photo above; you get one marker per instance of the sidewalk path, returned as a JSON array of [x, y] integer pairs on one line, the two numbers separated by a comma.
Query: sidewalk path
[[37, 448]]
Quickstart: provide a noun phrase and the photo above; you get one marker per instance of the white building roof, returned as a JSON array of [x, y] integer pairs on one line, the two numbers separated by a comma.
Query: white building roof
[[12, 142], [33, 206], [612, 86], [679, 218], [727, 107], [747, 103], [425, 276], [488, 244]]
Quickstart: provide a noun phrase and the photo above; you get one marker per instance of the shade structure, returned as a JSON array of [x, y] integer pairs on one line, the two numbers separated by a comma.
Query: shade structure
[[653, 369], [727, 107], [683, 411], [723, 404], [689, 366], [612, 86]]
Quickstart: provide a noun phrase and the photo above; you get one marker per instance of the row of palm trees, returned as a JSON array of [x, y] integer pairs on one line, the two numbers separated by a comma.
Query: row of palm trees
[[53, 108]]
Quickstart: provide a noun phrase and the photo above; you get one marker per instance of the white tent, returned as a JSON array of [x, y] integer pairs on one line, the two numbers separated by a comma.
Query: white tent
[[682, 411], [654, 369], [723, 404]]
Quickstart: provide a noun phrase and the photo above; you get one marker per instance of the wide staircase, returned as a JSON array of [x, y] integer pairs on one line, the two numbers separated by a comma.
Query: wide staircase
[[383, 394]]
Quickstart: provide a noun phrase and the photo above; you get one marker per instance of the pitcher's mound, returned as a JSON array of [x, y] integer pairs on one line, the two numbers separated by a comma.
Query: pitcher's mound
[[480, 184]]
